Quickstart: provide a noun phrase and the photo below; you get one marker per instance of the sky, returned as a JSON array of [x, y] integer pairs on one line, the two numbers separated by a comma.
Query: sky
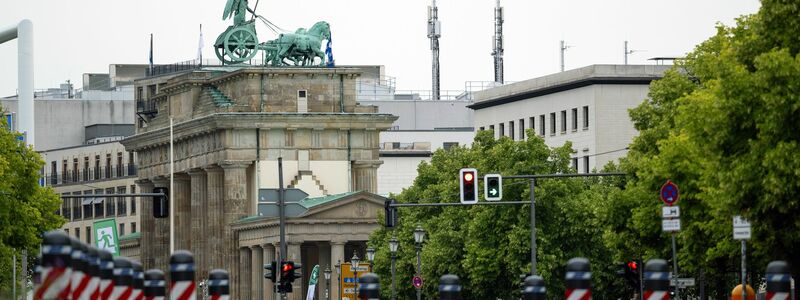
[[85, 36]]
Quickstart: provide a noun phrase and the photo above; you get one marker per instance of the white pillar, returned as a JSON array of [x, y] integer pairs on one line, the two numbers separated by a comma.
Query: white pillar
[[24, 33]]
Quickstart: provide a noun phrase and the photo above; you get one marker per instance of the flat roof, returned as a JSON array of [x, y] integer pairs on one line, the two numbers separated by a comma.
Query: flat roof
[[567, 80]]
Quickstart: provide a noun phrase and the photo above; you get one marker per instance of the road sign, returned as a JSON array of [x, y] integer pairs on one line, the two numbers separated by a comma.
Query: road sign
[[271, 210], [271, 195], [669, 212], [669, 193], [741, 228], [682, 282], [347, 283], [105, 233], [493, 187], [671, 225], [417, 281]]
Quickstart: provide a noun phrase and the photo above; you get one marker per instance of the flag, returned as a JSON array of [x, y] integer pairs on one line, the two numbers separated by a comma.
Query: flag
[[151, 54], [329, 53], [200, 46], [312, 283]]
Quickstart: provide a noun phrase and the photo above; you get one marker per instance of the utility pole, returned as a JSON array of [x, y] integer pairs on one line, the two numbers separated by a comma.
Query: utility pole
[[563, 48], [434, 32], [282, 221], [498, 43]]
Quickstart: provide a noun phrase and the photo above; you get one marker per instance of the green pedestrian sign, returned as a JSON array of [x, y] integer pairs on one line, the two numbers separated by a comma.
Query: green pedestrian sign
[[105, 236]]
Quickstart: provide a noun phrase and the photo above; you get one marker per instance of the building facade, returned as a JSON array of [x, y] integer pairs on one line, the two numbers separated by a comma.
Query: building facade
[[586, 106], [230, 128]]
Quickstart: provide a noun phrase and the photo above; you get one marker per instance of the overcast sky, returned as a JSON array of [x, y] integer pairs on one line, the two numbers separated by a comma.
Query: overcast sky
[[85, 36]]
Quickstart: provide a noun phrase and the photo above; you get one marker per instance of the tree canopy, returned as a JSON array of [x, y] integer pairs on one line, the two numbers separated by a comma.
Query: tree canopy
[[26, 209]]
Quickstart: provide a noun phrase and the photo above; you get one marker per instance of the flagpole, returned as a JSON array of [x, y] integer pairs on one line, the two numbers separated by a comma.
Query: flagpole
[[200, 47]]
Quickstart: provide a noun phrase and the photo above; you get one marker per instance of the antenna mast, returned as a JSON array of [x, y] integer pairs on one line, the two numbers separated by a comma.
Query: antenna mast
[[498, 43], [563, 48], [434, 32]]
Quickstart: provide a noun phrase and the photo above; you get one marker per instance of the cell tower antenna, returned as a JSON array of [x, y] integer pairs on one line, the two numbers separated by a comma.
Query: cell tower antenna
[[434, 33], [629, 51], [498, 43], [563, 48]]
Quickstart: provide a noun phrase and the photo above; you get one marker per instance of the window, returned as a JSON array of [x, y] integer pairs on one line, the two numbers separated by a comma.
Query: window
[[66, 230], [491, 127], [76, 207], [511, 129], [302, 101], [532, 121], [502, 129], [448, 145], [301, 93], [107, 170], [74, 170], [96, 167], [118, 173], [54, 172], [574, 119], [541, 125], [89, 235], [66, 208], [86, 168], [133, 227], [575, 164], [122, 207], [585, 117], [110, 206], [585, 164], [133, 200], [521, 129], [563, 121], [482, 128], [121, 200], [87, 205], [121, 229], [64, 171], [552, 123], [78, 233], [131, 164]]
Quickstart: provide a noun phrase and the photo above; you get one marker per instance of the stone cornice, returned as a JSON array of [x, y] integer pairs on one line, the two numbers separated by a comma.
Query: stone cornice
[[262, 223], [245, 120]]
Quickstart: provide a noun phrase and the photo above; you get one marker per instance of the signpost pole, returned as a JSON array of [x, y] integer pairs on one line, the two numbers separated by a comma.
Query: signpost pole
[[744, 271], [675, 267], [282, 219], [533, 228]]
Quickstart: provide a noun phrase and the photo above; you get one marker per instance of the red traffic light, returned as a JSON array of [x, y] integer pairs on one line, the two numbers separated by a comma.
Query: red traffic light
[[468, 176], [632, 265]]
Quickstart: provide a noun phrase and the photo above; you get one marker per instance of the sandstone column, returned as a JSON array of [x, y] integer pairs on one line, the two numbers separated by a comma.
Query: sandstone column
[[337, 256], [147, 224], [199, 231], [245, 266], [160, 246], [258, 273], [234, 208], [183, 214], [215, 224], [294, 254]]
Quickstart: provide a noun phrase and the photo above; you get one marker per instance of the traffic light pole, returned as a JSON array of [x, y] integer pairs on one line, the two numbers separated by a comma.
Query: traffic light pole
[[533, 227], [282, 221]]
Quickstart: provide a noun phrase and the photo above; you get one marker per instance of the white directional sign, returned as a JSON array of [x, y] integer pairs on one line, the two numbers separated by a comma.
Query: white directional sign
[[682, 282], [668, 212], [670, 225], [741, 228]]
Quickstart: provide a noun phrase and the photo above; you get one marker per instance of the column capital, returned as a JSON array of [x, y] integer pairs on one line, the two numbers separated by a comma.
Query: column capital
[[160, 181], [235, 164], [181, 177], [212, 169], [196, 172]]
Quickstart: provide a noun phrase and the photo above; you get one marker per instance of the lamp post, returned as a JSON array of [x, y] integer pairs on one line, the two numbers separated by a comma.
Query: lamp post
[[354, 264], [393, 249], [338, 267], [327, 273], [370, 257], [419, 237]]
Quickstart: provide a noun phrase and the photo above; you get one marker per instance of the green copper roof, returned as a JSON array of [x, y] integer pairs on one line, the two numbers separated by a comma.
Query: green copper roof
[[311, 202], [130, 236]]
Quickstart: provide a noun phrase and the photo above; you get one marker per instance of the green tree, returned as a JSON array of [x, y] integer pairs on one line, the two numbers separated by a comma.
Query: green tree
[[724, 124], [488, 247], [26, 209]]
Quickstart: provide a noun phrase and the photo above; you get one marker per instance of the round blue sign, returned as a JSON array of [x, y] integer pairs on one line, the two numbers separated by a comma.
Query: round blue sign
[[669, 193]]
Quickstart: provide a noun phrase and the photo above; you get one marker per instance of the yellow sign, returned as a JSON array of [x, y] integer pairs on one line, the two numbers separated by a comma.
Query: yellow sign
[[347, 280]]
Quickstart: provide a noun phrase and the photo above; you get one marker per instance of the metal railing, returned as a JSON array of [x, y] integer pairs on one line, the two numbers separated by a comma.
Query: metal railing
[[91, 174]]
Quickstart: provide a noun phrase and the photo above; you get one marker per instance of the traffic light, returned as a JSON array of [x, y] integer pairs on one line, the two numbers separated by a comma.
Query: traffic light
[[391, 213], [289, 272], [271, 271], [493, 187], [161, 203], [630, 271], [469, 185]]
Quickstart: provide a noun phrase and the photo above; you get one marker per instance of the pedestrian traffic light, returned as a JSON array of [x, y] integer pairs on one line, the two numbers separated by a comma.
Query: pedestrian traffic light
[[630, 272], [492, 187], [161, 203], [271, 271], [469, 186], [391, 213]]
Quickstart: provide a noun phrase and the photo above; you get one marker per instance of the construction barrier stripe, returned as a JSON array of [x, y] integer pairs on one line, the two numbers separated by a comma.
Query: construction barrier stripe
[[581, 294], [656, 295], [579, 275], [778, 277], [181, 267], [53, 275], [656, 275], [778, 296], [156, 283], [218, 282], [442, 288], [56, 249], [123, 272], [181, 290]]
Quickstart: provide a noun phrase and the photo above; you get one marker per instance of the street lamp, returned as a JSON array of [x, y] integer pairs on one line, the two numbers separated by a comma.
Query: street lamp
[[393, 249], [419, 237], [354, 264], [327, 273], [370, 257], [338, 267]]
